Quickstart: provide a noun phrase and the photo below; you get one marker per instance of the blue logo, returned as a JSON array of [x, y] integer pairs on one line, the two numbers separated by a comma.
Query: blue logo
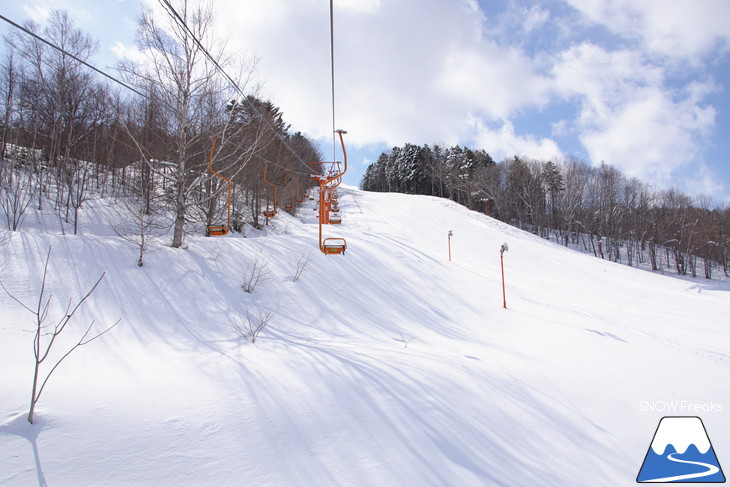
[[681, 452]]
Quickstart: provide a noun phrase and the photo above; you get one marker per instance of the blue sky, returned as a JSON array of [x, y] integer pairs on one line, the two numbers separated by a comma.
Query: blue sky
[[640, 85]]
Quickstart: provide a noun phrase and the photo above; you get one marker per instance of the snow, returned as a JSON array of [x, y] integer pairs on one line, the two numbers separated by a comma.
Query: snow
[[681, 432], [389, 365]]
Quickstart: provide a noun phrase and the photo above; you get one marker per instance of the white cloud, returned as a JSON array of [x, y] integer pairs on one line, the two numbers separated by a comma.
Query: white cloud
[[534, 17], [680, 30], [38, 13], [132, 53], [651, 136], [406, 71], [517, 22], [495, 80], [599, 79], [439, 71], [700, 179], [365, 6], [628, 117], [503, 142]]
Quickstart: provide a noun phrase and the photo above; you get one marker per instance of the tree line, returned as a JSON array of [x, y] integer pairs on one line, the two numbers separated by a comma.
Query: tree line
[[594, 207], [67, 131]]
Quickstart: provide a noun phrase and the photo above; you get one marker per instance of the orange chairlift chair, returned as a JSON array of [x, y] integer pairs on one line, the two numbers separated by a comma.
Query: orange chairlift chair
[[219, 230], [267, 212], [334, 217], [331, 245], [334, 201]]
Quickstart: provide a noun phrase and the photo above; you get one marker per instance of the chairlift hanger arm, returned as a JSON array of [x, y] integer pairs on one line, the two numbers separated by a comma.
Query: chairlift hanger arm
[[344, 159], [268, 213], [220, 229]]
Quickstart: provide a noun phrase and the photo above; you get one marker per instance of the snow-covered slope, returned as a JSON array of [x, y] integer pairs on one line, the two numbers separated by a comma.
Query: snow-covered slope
[[388, 366]]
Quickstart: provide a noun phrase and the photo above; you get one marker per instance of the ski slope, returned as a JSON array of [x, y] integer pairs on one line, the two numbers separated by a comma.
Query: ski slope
[[388, 366]]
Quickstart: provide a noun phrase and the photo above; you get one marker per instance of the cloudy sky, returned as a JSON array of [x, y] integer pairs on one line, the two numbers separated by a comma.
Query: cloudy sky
[[642, 85]]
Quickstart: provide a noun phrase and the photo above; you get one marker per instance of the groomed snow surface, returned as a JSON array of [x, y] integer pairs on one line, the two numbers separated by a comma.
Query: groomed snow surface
[[388, 366]]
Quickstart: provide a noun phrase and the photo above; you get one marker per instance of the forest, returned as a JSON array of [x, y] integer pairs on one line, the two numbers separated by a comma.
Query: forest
[[69, 133], [596, 208], [146, 133]]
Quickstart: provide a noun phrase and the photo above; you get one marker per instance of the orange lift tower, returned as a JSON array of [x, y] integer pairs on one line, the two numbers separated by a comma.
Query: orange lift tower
[[332, 245], [219, 230], [269, 213]]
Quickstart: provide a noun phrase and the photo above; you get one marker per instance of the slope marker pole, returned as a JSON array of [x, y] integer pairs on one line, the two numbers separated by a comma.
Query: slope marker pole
[[502, 250], [451, 234]]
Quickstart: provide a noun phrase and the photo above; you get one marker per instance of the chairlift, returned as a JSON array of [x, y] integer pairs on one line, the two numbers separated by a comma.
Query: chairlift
[[219, 230], [332, 245], [267, 212]]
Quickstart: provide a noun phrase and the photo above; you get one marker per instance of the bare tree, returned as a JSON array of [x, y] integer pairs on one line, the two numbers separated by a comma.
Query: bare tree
[[302, 264], [256, 273], [8, 81], [185, 80], [253, 323], [16, 194], [143, 219], [77, 178], [46, 334]]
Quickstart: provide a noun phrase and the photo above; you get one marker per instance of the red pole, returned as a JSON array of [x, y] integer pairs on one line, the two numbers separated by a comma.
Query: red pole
[[504, 295]]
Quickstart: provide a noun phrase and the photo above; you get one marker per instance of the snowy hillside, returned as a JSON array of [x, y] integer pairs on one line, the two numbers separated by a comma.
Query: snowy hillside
[[388, 366]]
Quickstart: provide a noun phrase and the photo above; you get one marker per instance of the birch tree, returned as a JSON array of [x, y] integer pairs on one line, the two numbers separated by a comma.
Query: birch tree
[[185, 79]]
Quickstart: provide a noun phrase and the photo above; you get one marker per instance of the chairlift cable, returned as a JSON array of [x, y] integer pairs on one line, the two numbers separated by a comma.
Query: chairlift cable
[[90, 66], [332, 69], [144, 95], [214, 230], [178, 19]]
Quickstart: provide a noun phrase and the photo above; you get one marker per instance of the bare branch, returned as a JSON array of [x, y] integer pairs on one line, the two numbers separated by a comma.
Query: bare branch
[[302, 265], [42, 350], [252, 324]]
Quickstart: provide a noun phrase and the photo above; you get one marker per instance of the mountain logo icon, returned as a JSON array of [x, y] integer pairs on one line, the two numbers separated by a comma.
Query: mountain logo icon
[[681, 452]]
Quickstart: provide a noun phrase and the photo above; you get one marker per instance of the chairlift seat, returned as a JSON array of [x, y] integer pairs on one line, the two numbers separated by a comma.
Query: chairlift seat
[[334, 246], [217, 230]]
